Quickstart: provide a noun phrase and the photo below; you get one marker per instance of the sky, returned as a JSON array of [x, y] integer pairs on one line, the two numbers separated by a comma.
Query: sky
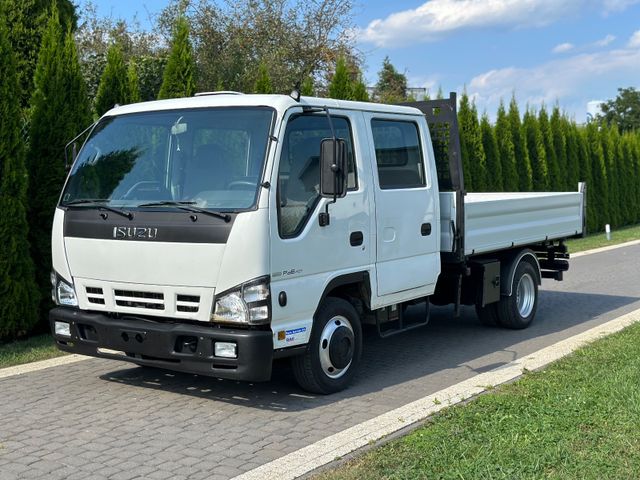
[[573, 52]]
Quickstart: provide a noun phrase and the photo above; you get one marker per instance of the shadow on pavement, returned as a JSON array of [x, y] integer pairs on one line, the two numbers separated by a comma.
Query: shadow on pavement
[[445, 344]]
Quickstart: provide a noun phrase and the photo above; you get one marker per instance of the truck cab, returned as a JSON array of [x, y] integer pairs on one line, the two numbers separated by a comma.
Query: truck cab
[[188, 234]]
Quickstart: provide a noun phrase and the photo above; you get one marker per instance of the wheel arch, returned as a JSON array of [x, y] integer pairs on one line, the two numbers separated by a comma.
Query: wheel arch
[[508, 265], [349, 286]]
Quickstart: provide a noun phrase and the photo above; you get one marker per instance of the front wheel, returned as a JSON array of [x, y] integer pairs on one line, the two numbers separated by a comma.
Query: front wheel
[[517, 310], [334, 349]]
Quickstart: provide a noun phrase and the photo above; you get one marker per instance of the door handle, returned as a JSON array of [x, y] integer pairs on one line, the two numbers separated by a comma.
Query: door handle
[[425, 229], [356, 239]]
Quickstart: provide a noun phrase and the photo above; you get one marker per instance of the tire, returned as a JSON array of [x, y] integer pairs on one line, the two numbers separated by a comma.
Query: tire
[[518, 310], [488, 314], [334, 350]]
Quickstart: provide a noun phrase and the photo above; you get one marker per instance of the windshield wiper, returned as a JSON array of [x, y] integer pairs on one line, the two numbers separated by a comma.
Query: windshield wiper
[[98, 202], [188, 206]]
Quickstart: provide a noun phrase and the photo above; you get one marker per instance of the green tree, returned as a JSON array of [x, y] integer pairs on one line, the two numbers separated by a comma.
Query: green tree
[[18, 291], [340, 86], [114, 85], [27, 20], [60, 110], [179, 74], [263, 82], [307, 88], [359, 91], [623, 111], [133, 83], [572, 154], [523, 163], [555, 180], [490, 146], [610, 139], [392, 85], [537, 155], [584, 162], [506, 150], [598, 192], [559, 146], [473, 157]]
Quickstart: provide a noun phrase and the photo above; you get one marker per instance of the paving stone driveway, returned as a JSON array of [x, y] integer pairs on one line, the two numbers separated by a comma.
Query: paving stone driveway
[[102, 419]]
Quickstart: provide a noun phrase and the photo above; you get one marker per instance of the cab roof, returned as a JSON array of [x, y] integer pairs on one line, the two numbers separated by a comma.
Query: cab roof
[[279, 102]]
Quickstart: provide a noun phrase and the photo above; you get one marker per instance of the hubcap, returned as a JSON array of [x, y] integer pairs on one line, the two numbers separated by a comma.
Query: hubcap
[[525, 295], [337, 344]]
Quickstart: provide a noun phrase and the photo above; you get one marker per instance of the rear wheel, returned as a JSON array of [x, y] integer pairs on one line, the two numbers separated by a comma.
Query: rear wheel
[[334, 349], [518, 310]]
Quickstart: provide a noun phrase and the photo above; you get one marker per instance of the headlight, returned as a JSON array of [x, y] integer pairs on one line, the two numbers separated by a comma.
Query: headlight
[[65, 294], [248, 304]]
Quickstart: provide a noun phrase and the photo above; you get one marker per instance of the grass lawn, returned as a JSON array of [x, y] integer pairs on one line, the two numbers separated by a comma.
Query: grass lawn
[[32, 349], [577, 419], [598, 240]]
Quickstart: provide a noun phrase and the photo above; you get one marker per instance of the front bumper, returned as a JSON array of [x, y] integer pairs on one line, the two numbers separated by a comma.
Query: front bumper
[[166, 345]]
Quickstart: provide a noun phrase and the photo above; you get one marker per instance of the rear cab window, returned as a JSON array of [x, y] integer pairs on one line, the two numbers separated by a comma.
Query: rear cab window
[[399, 155]]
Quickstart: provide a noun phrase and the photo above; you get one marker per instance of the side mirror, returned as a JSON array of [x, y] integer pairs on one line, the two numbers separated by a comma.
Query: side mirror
[[333, 168]]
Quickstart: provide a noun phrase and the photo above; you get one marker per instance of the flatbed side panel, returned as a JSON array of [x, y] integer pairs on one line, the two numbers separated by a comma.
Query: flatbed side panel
[[495, 221]]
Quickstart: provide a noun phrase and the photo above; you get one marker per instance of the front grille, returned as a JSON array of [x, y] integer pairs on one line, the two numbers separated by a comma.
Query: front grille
[[95, 295], [187, 303], [139, 299]]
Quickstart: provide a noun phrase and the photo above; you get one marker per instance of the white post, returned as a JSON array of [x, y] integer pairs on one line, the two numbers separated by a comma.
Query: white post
[[607, 229]]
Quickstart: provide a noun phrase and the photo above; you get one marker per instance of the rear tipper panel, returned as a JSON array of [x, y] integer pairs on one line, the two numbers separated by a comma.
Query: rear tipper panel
[[499, 221]]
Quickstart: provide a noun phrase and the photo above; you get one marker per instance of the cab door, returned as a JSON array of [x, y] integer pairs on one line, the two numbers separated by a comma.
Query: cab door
[[306, 256], [406, 207]]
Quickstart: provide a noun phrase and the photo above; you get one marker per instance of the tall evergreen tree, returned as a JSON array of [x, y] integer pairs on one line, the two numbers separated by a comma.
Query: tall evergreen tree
[[341, 86], [392, 85], [555, 179], [523, 164], [506, 151], [584, 162], [27, 20], [464, 112], [490, 146], [114, 85], [537, 155], [609, 137], [60, 110], [179, 74], [263, 82], [359, 91], [18, 292], [133, 83], [598, 192], [307, 88], [572, 154], [559, 144]]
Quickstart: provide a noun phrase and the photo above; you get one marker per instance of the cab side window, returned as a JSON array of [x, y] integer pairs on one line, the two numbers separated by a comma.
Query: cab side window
[[299, 170], [398, 154]]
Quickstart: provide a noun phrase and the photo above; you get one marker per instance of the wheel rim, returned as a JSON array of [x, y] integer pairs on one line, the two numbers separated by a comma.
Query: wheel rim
[[337, 344], [526, 295]]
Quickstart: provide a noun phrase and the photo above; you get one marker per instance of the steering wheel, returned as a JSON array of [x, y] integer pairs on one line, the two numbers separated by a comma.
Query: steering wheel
[[241, 185], [146, 190]]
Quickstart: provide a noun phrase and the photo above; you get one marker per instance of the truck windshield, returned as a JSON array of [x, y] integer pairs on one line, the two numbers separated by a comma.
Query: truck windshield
[[210, 158]]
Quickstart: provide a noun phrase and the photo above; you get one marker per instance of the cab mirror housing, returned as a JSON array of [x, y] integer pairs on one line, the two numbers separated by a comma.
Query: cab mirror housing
[[333, 168]]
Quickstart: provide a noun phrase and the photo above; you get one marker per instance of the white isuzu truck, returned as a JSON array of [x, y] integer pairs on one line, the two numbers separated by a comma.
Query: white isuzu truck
[[214, 234]]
